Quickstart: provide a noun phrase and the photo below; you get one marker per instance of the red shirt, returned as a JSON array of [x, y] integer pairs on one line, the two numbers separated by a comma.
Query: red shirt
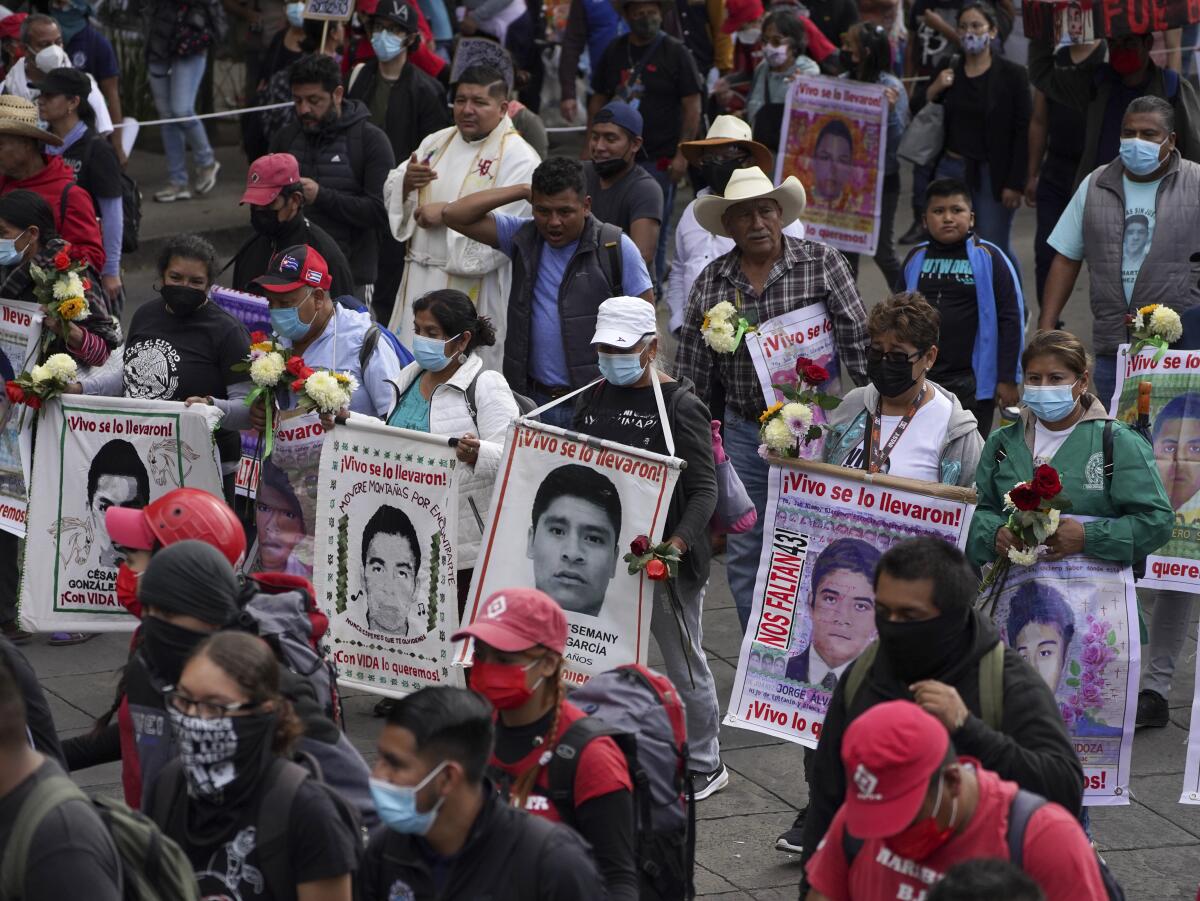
[[602, 769], [1057, 854]]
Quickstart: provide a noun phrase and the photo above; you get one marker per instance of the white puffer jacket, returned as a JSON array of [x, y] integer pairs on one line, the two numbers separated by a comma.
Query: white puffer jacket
[[450, 416]]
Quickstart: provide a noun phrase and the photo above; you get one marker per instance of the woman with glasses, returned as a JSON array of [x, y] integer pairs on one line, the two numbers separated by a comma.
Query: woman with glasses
[[784, 44], [867, 56], [987, 110], [253, 823], [903, 423]]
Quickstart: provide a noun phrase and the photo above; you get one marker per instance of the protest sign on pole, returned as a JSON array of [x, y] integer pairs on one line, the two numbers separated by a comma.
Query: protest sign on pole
[[1075, 622], [1191, 769], [1174, 379], [285, 505], [1082, 20], [20, 329], [387, 526], [250, 311], [834, 140], [814, 601], [564, 511], [93, 453]]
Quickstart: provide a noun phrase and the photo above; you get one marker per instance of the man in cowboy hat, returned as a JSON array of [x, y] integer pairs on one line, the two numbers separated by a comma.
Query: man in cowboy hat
[[24, 166], [765, 275], [726, 148]]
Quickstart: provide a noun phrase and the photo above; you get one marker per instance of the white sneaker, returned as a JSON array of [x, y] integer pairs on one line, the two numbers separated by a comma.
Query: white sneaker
[[206, 178], [705, 784], [171, 193]]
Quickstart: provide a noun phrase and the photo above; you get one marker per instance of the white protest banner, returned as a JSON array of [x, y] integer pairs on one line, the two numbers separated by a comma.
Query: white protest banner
[[329, 10], [1175, 428], [814, 602], [776, 345], [93, 453], [564, 511], [1191, 769], [285, 504], [387, 524], [20, 329], [834, 140], [251, 311], [1075, 621]]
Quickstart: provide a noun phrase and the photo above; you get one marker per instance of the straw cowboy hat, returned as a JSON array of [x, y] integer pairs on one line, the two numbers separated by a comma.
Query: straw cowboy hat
[[750, 184], [727, 130], [19, 117]]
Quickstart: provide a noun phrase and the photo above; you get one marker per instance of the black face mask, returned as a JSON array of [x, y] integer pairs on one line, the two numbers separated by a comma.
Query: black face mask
[[925, 649], [167, 647], [265, 221], [609, 168], [717, 174], [892, 379], [183, 300], [222, 757]]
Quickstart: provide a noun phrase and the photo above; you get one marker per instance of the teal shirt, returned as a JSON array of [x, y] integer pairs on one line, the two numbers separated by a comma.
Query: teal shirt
[[413, 410]]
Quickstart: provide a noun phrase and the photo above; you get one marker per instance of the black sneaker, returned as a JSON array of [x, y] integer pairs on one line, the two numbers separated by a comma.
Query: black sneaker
[[915, 233], [1152, 710], [792, 841], [705, 784]]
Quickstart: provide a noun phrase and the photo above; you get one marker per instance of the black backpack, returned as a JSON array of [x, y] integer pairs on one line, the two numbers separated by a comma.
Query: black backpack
[[131, 201]]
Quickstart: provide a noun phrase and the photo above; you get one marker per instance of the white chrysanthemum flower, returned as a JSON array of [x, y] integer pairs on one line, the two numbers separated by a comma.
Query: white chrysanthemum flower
[[1165, 323], [721, 311], [63, 289], [721, 337], [798, 418], [1008, 502], [1023, 556], [267, 369], [1138, 322], [62, 367], [777, 435], [326, 392], [1053, 518], [40, 374]]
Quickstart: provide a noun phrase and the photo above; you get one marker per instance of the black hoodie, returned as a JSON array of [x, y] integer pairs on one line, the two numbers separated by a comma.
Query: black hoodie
[[349, 158], [252, 260], [1032, 749]]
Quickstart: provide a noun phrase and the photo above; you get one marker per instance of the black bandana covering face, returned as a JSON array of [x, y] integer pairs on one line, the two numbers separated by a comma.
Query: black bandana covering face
[[224, 755]]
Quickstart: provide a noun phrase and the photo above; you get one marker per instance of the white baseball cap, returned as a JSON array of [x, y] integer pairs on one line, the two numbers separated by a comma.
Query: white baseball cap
[[624, 321]]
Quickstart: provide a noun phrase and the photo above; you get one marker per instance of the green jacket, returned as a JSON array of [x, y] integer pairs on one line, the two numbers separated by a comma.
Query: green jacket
[[1136, 516]]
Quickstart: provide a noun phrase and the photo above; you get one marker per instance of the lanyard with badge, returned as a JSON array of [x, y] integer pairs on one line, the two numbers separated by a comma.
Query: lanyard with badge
[[876, 457]]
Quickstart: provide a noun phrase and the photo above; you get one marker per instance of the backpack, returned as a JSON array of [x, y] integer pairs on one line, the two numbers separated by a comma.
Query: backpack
[[153, 866], [131, 202], [274, 817], [525, 405], [991, 682], [610, 241], [371, 338], [642, 712], [1023, 806]]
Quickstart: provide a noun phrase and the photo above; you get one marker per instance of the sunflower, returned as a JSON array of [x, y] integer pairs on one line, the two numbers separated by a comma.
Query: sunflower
[[771, 411], [73, 308]]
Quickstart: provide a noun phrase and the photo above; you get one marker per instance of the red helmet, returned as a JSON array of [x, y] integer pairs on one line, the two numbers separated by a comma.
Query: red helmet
[[191, 513]]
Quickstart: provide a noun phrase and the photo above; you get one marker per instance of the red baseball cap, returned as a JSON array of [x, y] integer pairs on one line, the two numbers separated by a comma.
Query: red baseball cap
[[516, 619], [10, 26], [268, 176], [295, 267], [890, 754], [739, 12]]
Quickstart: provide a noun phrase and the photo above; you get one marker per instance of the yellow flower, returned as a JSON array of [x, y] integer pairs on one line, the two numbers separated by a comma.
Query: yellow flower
[[771, 411], [264, 346], [342, 377], [1147, 310], [704, 326], [72, 308]]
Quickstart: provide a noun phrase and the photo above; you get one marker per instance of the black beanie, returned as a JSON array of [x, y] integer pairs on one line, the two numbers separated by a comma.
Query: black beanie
[[192, 578]]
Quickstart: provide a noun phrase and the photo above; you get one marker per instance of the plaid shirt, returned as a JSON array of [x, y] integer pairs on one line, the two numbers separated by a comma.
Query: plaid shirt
[[806, 273]]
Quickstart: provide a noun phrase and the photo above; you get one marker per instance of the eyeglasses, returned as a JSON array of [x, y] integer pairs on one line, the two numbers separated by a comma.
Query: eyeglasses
[[206, 710], [874, 355]]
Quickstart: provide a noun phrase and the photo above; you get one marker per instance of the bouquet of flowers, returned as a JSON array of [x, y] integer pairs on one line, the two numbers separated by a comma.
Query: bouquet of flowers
[[61, 290], [791, 423], [1153, 326], [1035, 508], [723, 327], [1085, 676], [323, 390], [43, 382]]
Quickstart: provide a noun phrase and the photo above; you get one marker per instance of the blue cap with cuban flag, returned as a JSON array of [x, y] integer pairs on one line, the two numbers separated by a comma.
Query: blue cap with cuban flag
[[295, 267]]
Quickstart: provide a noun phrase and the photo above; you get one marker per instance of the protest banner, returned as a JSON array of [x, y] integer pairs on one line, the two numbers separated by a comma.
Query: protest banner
[[814, 601], [285, 505], [386, 574], [1105, 18], [1191, 769], [834, 139], [93, 453], [1075, 622], [1175, 427], [329, 10], [564, 511], [20, 329], [776, 344], [251, 311]]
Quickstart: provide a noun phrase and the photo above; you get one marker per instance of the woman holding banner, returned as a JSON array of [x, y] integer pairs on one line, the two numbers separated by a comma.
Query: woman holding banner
[[784, 42], [870, 429], [1064, 425]]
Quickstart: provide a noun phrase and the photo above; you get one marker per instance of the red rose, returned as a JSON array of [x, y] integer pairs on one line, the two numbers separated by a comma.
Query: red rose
[[295, 366], [639, 545], [1129, 317], [62, 261], [1046, 482], [816, 375], [16, 394], [298, 385], [258, 337], [33, 401], [1025, 497], [801, 364], [87, 284], [657, 571]]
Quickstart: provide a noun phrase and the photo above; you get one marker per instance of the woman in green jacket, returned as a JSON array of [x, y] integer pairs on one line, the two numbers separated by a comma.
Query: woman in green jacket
[[1064, 425]]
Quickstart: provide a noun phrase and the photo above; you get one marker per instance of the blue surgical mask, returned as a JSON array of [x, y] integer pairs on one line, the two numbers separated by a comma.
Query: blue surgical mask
[[1050, 403], [430, 353], [387, 46], [1140, 157], [9, 254], [397, 805], [974, 43], [286, 322], [621, 369], [295, 15]]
